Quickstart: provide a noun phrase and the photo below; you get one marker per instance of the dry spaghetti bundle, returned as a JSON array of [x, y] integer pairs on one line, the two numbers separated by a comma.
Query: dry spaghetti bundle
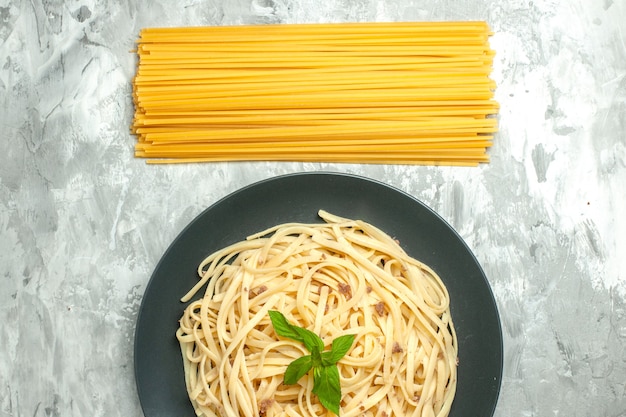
[[411, 93]]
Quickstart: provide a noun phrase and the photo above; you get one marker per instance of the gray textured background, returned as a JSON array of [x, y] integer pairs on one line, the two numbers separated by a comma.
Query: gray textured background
[[83, 223]]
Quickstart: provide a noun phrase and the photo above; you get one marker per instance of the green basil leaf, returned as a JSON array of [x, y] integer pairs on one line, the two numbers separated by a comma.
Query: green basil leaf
[[297, 369], [311, 341], [327, 387], [283, 328], [340, 347]]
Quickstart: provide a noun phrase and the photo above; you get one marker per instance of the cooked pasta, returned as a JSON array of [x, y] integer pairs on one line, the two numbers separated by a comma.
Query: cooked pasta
[[338, 277], [412, 93]]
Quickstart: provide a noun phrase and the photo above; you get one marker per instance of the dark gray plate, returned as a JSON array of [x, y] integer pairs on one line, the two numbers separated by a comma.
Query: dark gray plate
[[297, 198]]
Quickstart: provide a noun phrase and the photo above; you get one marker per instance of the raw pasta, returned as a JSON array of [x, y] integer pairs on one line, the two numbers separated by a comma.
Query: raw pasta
[[398, 92]]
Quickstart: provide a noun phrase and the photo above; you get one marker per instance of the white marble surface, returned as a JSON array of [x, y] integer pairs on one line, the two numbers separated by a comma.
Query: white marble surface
[[83, 223]]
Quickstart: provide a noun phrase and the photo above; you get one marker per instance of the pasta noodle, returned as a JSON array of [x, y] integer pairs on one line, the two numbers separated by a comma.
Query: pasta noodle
[[412, 93], [338, 277]]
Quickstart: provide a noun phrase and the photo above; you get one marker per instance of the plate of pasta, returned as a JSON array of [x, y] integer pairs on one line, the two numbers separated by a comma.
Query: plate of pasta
[[384, 309]]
